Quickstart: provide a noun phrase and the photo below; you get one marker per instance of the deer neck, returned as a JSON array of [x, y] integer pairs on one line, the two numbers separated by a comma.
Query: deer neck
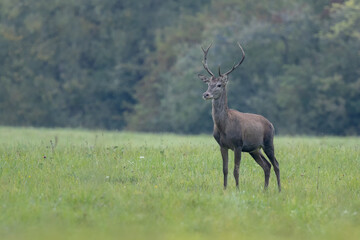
[[220, 111]]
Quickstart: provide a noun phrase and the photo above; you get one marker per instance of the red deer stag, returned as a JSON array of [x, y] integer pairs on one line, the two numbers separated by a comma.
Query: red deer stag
[[240, 132]]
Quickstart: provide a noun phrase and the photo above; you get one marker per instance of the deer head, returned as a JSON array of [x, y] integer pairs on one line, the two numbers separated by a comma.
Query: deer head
[[216, 85]]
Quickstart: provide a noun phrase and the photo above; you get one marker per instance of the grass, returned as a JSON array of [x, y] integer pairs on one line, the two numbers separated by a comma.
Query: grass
[[74, 184]]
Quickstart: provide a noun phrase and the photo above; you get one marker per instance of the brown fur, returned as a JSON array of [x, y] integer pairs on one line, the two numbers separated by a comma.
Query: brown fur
[[240, 132]]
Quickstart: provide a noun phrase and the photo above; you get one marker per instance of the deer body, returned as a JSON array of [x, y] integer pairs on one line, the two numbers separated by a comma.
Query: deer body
[[240, 132]]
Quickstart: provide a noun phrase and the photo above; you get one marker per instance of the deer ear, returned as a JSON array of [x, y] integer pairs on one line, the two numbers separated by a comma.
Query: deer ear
[[204, 78]]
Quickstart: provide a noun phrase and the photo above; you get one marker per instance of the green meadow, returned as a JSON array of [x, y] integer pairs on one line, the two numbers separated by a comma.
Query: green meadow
[[79, 184]]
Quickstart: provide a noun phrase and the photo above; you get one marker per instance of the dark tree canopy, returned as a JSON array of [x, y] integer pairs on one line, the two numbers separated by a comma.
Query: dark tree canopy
[[134, 64]]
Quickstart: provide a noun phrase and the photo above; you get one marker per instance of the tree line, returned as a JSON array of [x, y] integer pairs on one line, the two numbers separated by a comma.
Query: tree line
[[134, 64]]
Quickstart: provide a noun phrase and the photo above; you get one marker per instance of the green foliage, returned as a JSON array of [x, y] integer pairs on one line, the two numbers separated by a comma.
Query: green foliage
[[66, 63], [62, 184], [346, 18], [133, 64], [300, 71]]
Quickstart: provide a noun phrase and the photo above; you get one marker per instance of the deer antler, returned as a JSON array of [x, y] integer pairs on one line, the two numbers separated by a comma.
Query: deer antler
[[205, 60], [235, 65]]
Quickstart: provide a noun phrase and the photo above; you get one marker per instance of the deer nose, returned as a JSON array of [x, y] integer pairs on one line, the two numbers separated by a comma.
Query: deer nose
[[206, 95]]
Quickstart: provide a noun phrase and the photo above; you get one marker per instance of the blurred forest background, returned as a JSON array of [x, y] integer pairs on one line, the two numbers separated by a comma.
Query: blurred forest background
[[125, 64]]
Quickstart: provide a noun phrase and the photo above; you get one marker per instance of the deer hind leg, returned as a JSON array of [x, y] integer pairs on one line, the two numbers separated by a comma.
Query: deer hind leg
[[266, 166], [269, 151]]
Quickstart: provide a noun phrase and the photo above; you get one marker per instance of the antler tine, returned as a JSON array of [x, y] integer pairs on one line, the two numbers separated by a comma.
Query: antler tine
[[236, 65], [205, 59]]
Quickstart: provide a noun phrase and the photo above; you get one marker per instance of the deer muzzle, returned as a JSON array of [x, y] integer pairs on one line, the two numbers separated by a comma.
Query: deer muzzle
[[207, 96]]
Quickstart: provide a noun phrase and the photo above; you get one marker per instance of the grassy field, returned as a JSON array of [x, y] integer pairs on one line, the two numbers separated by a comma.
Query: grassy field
[[73, 184]]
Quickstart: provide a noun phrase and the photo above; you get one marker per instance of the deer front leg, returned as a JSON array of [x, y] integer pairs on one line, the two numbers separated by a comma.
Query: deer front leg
[[237, 160], [224, 155]]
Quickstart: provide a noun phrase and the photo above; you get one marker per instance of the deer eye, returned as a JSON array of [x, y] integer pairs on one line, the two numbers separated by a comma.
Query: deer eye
[[218, 85]]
